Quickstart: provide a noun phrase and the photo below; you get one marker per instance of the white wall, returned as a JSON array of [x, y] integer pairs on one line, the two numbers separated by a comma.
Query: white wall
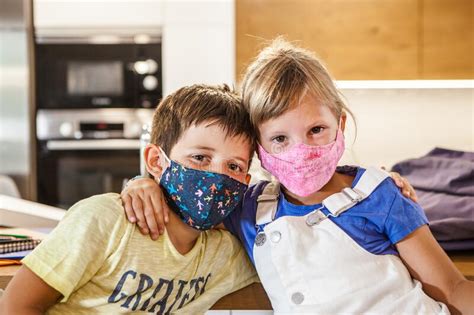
[[97, 13], [198, 43], [397, 124]]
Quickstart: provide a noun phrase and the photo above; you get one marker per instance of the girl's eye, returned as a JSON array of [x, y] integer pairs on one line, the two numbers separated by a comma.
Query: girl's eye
[[316, 130], [234, 167], [279, 139]]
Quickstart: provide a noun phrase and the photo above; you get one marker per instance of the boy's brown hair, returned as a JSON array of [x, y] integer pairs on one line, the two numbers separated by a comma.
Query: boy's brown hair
[[195, 104]]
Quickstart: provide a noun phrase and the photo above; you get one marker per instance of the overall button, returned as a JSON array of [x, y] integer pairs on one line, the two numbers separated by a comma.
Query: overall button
[[260, 239], [275, 236], [297, 298]]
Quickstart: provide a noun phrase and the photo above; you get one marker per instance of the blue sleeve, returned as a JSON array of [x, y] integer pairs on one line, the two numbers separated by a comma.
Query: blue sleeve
[[241, 222], [232, 221], [403, 218]]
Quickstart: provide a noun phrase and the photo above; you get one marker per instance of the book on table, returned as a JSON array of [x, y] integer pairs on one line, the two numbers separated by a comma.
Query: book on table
[[16, 243]]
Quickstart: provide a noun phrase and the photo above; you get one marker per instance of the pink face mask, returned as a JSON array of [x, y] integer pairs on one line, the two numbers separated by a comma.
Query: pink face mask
[[304, 169]]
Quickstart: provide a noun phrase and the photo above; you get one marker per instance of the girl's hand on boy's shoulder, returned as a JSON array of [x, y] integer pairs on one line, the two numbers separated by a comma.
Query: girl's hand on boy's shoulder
[[145, 205], [405, 186]]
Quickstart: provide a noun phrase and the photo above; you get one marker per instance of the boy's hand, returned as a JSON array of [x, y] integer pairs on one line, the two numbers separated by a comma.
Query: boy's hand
[[407, 189], [145, 205]]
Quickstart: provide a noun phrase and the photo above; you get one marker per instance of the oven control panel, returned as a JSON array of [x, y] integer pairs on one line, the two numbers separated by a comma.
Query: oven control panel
[[118, 123]]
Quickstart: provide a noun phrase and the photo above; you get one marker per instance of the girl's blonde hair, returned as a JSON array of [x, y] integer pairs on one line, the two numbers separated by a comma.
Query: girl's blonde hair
[[280, 76]]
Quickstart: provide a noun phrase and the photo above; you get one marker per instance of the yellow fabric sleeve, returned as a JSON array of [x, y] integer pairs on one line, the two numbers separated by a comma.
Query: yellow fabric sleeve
[[79, 245]]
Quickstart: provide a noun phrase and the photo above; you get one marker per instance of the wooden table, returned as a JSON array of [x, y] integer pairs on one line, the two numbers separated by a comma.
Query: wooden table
[[254, 297]]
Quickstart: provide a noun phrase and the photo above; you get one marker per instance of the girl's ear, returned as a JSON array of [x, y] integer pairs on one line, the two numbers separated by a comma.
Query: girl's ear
[[248, 178], [343, 121], [154, 160]]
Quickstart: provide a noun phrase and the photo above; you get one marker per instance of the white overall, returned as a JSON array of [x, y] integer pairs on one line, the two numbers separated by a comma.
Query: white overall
[[308, 264]]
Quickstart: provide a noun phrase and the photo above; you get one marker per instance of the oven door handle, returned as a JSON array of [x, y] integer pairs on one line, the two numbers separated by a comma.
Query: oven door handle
[[102, 144]]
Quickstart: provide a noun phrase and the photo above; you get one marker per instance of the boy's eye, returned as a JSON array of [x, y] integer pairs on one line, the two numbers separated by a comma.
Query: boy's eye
[[199, 158], [316, 130], [279, 139], [235, 167]]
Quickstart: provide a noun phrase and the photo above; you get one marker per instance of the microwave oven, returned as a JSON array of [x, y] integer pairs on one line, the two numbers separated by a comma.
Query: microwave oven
[[74, 74]]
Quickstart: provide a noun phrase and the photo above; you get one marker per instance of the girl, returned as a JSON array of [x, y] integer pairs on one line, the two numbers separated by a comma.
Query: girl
[[324, 239]]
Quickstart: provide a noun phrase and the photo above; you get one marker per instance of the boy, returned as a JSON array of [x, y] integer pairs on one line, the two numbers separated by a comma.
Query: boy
[[95, 261]]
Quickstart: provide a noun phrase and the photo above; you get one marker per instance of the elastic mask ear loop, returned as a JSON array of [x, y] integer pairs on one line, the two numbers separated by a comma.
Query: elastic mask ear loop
[[339, 129], [167, 159]]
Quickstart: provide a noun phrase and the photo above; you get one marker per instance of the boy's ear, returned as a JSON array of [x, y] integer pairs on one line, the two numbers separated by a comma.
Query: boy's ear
[[343, 121], [154, 160]]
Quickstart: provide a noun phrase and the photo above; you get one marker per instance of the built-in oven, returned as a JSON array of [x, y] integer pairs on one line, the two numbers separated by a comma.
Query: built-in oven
[[87, 152], [98, 71]]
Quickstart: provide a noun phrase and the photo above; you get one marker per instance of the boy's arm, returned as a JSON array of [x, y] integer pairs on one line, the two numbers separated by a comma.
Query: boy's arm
[[28, 294], [428, 263]]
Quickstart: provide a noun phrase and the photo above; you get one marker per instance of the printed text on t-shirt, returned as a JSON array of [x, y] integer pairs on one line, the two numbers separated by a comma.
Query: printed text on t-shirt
[[160, 299]]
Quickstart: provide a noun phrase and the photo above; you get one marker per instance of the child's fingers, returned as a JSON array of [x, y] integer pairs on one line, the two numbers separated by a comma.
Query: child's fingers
[[406, 192], [166, 210], [410, 190], [150, 219], [158, 210], [138, 210], [397, 179], [164, 207], [127, 203]]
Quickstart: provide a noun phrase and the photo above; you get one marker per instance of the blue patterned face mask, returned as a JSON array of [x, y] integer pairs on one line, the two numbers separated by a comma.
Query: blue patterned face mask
[[201, 199]]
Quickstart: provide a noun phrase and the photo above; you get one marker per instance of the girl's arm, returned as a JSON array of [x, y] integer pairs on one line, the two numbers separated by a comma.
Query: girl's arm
[[428, 263], [28, 294], [145, 205]]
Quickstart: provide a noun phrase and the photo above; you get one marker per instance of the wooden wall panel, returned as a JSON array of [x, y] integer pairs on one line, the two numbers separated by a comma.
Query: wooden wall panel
[[357, 39], [448, 37], [366, 39]]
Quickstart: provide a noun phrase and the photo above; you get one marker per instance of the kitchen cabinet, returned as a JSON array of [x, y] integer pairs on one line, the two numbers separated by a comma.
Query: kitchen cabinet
[[447, 39], [365, 39]]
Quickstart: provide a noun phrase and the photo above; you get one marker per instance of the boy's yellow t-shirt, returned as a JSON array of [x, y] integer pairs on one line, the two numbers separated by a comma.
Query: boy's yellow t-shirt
[[101, 263]]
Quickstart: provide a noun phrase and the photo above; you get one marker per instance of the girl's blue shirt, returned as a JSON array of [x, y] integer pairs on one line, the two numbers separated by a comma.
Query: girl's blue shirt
[[376, 224]]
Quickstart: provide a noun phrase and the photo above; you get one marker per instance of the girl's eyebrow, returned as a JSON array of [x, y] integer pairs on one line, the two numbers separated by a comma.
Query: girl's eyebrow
[[315, 123], [201, 147], [275, 132]]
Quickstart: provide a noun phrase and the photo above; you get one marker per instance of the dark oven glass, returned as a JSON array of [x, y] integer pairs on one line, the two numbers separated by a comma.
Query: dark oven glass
[[65, 177], [98, 75], [87, 78]]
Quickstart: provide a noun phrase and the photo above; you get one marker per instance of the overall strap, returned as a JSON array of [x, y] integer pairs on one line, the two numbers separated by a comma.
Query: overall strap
[[348, 197], [267, 203]]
